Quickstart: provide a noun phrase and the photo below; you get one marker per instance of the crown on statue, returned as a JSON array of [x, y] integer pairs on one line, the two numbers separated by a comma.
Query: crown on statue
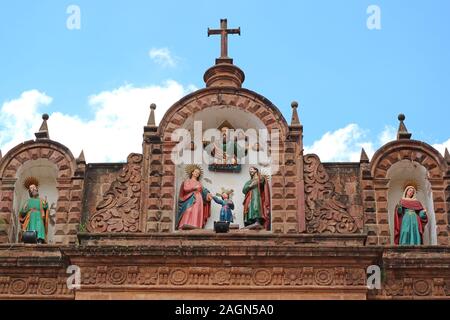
[[226, 191], [30, 181], [191, 167]]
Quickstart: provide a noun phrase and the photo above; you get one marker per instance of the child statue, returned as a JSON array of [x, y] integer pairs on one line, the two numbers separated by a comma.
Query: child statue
[[226, 212]]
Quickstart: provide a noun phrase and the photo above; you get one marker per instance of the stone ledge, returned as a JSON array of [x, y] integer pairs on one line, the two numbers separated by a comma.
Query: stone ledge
[[417, 257], [30, 256], [207, 237]]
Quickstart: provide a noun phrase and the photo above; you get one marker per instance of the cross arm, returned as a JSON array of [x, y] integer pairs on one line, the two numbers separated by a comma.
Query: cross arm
[[213, 31], [234, 31]]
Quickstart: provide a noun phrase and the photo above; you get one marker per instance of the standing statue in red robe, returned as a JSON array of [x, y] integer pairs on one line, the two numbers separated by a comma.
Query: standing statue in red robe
[[410, 219], [194, 202]]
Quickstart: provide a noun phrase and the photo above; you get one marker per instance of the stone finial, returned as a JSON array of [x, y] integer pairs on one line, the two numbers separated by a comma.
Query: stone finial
[[446, 155], [81, 165], [364, 157], [151, 129], [43, 130], [402, 131], [151, 119], [81, 159], [295, 122]]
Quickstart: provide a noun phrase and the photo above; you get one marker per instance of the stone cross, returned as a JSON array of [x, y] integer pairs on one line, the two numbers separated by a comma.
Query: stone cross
[[224, 32]]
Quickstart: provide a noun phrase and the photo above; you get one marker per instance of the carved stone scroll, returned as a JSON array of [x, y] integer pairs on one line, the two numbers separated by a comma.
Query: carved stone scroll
[[325, 212], [119, 211]]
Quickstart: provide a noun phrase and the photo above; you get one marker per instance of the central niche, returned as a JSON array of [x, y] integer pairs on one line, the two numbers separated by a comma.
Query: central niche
[[224, 172]]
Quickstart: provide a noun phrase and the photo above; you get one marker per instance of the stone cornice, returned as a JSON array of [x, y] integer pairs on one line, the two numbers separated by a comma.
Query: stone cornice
[[269, 265]]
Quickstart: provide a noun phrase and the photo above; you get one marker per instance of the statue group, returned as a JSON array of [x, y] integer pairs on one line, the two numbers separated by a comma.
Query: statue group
[[195, 200], [194, 208], [194, 204]]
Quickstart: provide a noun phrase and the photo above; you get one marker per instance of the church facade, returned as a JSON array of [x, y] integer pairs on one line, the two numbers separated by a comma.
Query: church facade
[[327, 231]]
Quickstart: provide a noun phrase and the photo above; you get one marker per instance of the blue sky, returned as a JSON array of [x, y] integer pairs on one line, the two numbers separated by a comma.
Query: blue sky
[[321, 53]]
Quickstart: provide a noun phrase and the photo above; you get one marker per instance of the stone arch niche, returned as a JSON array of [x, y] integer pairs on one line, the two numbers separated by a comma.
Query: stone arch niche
[[213, 118], [63, 179], [242, 108], [399, 174], [46, 172], [378, 177]]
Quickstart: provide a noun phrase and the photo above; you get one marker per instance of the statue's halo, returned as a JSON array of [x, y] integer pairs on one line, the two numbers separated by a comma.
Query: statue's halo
[[411, 183], [190, 168], [30, 181]]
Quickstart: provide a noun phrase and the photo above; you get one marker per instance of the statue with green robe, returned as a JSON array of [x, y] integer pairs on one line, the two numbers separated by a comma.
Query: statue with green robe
[[410, 219], [257, 201], [34, 216]]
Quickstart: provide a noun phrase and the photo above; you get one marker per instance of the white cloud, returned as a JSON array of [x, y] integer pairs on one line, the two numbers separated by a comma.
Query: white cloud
[[163, 57], [345, 144], [114, 132], [441, 146], [389, 134], [342, 145], [18, 116]]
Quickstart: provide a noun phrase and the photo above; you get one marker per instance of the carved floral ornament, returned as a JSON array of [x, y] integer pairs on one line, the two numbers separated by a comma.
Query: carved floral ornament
[[34, 286], [154, 276], [416, 287], [325, 213], [119, 211], [234, 276]]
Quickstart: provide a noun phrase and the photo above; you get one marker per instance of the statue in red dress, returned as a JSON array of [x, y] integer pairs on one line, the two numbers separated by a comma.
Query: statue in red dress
[[194, 203]]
